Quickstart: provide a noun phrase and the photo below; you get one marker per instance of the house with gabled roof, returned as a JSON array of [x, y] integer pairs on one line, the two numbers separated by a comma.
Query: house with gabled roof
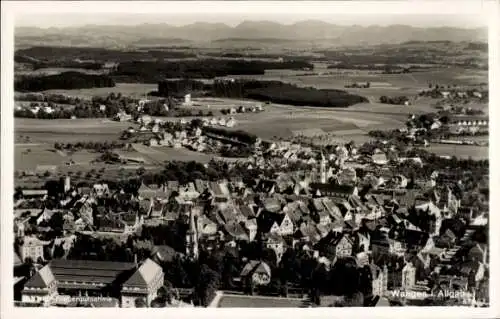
[[228, 214], [206, 227], [41, 288], [272, 204], [164, 253], [256, 273], [132, 222], [308, 233], [235, 231], [144, 283], [200, 185], [172, 186], [110, 223], [101, 190], [145, 206], [66, 243], [266, 186], [188, 192], [333, 190], [277, 244], [247, 210], [324, 230], [152, 191], [362, 242], [279, 223], [34, 193], [322, 217], [32, 248], [296, 211], [335, 246], [251, 227], [219, 191]]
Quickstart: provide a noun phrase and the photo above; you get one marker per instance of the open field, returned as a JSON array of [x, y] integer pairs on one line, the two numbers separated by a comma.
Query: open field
[[53, 71], [40, 157], [212, 104], [460, 151], [127, 89], [68, 131], [28, 157], [161, 154], [284, 121], [381, 84], [244, 301]]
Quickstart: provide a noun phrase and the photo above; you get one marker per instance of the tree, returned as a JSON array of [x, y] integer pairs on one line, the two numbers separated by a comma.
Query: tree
[[141, 170], [140, 303], [207, 283], [195, 123], [167, 293], [58, 252], [158, 303], [56, 223]]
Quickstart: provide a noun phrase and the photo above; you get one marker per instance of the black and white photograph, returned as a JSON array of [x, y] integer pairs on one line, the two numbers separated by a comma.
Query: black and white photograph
[[279, 157]]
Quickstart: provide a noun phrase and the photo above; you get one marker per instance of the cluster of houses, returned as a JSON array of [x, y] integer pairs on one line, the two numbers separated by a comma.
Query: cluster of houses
[[156, 132], [328, 212], [456, 94], [36, 108], [243, 109], [224, 122], [457, 125]]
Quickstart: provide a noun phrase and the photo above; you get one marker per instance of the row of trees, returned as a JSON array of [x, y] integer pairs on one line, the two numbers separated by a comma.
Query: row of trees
[[68, 64], [240, 136], [49, 98], [398, 56], [95, 146], [65, 80], [396, 100], [262, 56], [180, 87], [155, 71], [60, 56], [279, 92]]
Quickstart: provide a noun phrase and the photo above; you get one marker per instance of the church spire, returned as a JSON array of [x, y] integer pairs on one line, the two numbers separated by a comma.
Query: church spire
[[323, 168]]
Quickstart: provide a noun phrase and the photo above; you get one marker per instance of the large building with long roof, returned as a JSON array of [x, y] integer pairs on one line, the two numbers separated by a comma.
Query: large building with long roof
[[88, 278]]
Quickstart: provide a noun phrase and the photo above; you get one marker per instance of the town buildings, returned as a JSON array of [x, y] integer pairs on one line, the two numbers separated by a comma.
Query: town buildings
[[318, 205], [87, 278]]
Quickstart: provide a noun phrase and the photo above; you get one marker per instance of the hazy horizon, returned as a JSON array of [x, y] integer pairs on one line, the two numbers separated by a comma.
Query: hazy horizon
[[69, 20]]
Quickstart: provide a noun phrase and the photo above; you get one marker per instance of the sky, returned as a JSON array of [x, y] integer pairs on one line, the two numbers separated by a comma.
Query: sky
[[232, 19]]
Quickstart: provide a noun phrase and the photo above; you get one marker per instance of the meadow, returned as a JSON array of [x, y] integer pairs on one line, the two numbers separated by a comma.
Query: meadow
[[381, 84], [40, 158], [67, 131], [460, 151]]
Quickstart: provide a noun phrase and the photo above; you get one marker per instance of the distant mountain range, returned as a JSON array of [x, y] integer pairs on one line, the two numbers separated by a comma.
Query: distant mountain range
[[312, 31]]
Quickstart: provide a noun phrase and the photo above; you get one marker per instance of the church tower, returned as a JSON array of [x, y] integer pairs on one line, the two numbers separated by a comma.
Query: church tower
[[67, 184], [322, 169], [192, 249]]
